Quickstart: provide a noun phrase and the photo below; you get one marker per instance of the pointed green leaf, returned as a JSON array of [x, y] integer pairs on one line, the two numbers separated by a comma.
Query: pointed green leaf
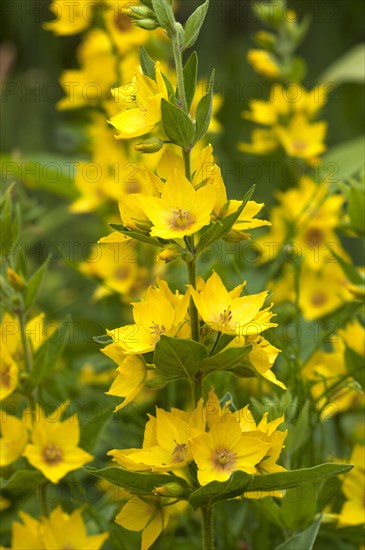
[[164, 14], [216, 490], [103, 339], [194, 23], [190, 78], [137, 236], [350, 67], [204, 111], [35, 283], [356, 210], [178, 357], [178, 125], [229, 359], [303, 540], [147, 64]]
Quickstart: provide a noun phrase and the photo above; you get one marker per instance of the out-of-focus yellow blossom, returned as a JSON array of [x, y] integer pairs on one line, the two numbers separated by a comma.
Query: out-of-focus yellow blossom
[[28, 534], [307, 217], [140, 104], [62, 530], [327, 369], [354, 336], [146, 515], [289, 113], [54, 449], [353, 487], [181, 210], [263, 63], [9, 374], [225, 311], [131, 375], [90, 376], [71, 17], [14, 437], [263, 356], [160, 312], [116, 265]]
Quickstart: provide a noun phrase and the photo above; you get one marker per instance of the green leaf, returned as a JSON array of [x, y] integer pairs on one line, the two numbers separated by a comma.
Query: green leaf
[[147, 64], [350, 67], [35, 283], [178, 358], [299, 507], [22, 478], [342, 161], [216, 490], [48, 354], [221, 228], [194, 23], [164, 14], [230, 359], [356, 366], [356, 210], [103, 339], [137, 236], [203, 114], [169, 87], [178, 125], [303, 540], [292, 478], [349, 270], [92, 430], [138, 483], [190, 78]]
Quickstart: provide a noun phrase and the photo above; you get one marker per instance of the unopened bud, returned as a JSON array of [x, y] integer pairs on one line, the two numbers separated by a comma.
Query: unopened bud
[[265, 39], [140, 12], [169, 490], [169, 254], [157, 382], [151, 145], [16, 281], [148, 24], [235, 236]]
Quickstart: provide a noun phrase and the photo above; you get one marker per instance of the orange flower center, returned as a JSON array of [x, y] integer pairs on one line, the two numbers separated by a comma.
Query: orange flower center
[[5, 377], [318, 299], [300, 145], [157, 329], [224, 459], [52, 454], [313, 236], [179, 453], [226, 316], [181, 219]]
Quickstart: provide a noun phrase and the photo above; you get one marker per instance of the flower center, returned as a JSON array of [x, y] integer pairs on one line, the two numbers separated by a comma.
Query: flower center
[[224, 459], [122, 273], [226, 316], [68, 546], [52, 454], [299, 145], [157, 329], [5, 377], [179, 453], [313, 237], [180, 219], [318, 299]]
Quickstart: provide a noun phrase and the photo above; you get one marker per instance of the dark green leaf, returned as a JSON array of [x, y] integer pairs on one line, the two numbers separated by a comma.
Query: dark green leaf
[[303, 540], [216, 490], [229, 359], [137, 236], [178, 358], [164, 13], [204, 111], [147, 64], [356, 366], [34, 284], [190, 78], [178, 125], [103, 339], [356, 210], [194, 23]]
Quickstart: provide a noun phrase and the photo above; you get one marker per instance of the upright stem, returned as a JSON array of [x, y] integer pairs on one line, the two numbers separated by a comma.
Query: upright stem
[[207, 517], [25, 344], [179, 71]]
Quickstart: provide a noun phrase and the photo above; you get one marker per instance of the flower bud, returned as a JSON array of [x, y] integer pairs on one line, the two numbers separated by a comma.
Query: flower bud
[[169, 254], [151, 145], [235, 236], [169, 490], [265, 40], [148, 24], [155, 383], [139, 12], [16, 281]]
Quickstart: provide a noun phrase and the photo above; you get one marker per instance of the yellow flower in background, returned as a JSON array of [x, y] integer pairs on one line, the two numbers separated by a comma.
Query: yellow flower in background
[[14, 437], [158, 313], [140, 104], [353, 487], [71, 18], [26, 535], [224, 450], [54, 448], [263, 142], [67, 531], [263, 63], [146, 515], [353, 335], [225, 311], [8, 374], [302, 139], [181, 210]]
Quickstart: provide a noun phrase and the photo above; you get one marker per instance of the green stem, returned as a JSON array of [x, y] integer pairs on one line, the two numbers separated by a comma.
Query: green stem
[[25, 344], [207, 518], [44, 501], [179, 71], [193, 311]]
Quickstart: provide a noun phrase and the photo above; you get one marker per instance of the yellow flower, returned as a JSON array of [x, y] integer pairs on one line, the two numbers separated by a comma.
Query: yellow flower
[[70, 18], [14, 437], [145, 515], [302, 139], [263, 142], [353, 487], [27, 535], [140, 101], [354, 336], [130, 379], [181, 210], [171, 450], [54, 449], [62, 530], [226, 449], [160, 312], [263, 357], [263, 63], [8, 374], [229, 313]]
